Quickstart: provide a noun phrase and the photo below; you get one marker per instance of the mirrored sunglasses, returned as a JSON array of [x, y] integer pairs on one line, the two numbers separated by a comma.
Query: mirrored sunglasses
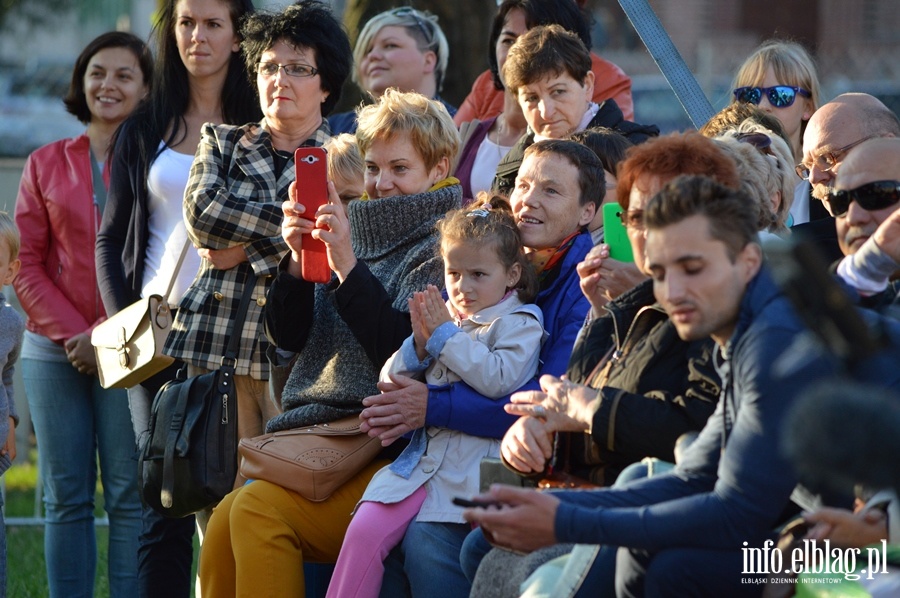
[[870, 197], [780, 96]]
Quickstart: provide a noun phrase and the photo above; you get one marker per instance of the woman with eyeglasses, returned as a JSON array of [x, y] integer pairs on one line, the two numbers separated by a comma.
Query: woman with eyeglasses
[[298, 59], [381, 248], [403, 48], [198, 77]]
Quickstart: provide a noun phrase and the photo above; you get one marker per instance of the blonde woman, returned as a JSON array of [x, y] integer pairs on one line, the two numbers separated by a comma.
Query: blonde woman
[[404, 49], [780, 77]]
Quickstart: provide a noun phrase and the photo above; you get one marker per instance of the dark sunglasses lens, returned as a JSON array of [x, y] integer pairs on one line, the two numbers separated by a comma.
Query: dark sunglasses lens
[[876, 196], [748, 95], [781, 96], [838, 203]]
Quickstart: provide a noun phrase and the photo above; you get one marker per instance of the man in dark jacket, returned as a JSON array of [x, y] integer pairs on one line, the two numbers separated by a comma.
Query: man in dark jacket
[[688, 532], [549, 70]]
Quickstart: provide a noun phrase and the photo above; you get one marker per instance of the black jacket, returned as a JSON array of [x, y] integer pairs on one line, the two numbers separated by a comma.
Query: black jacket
[[123, 236], [608, 116], [654, 387]]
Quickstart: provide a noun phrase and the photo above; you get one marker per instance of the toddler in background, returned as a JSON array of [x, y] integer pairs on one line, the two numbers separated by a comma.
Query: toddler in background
[[487, 335], [12, 327], [346, 168]]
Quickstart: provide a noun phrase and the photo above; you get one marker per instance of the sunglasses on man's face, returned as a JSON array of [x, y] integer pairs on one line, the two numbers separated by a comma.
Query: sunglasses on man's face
[[870, 197], [780, 96]]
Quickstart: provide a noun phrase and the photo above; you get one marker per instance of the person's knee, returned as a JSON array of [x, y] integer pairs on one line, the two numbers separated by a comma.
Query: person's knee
[[474, 549]]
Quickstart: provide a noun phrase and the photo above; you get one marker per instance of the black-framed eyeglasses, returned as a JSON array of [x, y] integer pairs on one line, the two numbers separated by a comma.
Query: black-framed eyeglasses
[[632, 219], [270, 69], [426, 29], [828, 160], [780, 96], [873, 196]]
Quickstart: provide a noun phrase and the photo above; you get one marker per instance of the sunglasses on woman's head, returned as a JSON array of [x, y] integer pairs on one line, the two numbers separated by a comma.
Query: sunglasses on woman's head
[[420, 20], [870, 197], [780, 96], [760, 141]]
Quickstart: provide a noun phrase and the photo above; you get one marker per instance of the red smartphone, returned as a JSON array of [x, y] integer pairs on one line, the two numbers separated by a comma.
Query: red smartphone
[[312, 192]]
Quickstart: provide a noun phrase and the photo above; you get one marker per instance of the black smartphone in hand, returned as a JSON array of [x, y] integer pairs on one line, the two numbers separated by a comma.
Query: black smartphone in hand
[[475, 504]]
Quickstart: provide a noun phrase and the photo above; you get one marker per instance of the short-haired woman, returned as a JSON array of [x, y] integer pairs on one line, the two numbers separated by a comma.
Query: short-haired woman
[[402, 48], [381, 249], [549, 70]]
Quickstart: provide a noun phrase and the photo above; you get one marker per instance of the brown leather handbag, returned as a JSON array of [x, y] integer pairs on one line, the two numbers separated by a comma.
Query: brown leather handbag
[[313, 461]]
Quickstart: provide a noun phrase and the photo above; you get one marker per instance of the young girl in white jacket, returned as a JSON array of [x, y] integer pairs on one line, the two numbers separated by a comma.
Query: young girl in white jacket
[[487, 335]]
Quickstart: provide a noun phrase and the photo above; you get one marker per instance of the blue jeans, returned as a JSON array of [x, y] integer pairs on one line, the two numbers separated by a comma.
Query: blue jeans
[[166, 549], [75, 419], [426, 563]]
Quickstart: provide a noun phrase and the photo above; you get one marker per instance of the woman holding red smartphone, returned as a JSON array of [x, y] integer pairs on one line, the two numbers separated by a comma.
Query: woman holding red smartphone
[[381, 249]]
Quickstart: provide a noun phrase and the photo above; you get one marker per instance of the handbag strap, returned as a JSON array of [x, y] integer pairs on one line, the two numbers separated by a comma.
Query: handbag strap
[[175, 425], [231, 351], [187, 243]]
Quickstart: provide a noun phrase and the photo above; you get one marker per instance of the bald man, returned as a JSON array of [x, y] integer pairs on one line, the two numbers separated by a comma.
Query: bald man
[[865, 195], [835, 129]]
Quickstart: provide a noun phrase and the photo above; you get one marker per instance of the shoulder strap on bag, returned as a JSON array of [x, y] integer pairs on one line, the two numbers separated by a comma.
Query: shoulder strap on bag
[[234, 335], [184, 250]]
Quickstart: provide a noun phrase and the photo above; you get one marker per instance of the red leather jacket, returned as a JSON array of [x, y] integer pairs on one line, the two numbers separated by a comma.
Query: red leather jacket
[[58, 222]]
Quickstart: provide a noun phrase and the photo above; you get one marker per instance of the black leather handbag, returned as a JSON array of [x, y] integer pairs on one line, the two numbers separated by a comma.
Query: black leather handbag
[[189, 460]]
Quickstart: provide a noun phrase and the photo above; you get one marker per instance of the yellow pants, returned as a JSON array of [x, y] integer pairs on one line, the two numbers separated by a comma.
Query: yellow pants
[[259, 536]]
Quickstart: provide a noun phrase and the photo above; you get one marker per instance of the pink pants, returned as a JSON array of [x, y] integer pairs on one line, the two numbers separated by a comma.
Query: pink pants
[[375, 529]]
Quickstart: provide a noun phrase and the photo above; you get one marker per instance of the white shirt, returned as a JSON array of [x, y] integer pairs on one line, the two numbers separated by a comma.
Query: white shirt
[[166, 182], [485, 167]]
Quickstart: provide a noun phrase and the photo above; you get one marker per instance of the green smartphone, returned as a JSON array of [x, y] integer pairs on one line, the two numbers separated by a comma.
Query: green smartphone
[[615, 234]]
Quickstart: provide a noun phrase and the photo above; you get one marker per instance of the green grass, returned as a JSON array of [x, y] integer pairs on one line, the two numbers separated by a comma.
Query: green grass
[[26, 573]]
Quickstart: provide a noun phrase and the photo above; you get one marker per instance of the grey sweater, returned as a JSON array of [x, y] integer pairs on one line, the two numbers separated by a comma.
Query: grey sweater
[[395, 237], [12, 327]]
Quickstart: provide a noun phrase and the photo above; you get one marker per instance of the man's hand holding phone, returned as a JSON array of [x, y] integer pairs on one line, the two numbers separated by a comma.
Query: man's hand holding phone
[[523, 522]]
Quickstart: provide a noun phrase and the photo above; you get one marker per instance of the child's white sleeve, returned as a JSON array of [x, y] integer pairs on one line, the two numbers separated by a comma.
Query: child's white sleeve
[[506, 364], [405, 362]]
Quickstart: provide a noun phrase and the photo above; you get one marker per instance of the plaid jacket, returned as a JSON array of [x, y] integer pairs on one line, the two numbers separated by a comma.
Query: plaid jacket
[[232, 198]]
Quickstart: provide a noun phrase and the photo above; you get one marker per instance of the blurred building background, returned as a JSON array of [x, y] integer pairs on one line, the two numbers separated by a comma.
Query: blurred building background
[[856, 45]]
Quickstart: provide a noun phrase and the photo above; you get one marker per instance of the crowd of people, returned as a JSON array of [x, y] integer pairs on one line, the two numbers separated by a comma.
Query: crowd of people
[[476, 320]]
